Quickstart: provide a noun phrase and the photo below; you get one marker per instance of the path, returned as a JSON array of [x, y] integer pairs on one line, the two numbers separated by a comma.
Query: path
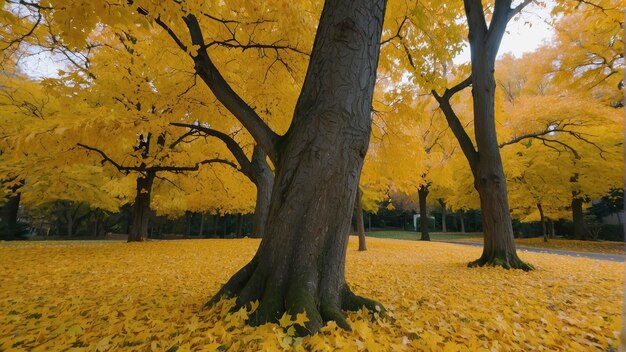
[[599, 256]]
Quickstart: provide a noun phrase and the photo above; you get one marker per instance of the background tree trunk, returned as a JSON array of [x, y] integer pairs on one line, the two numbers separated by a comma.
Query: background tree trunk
[[141, 208], [299, 266], [264, 181], [10, 210], [552, 231], [544, 231], [360, 225], [422, 193], [216, 224], [201, 231], [578, 217], [443, 215], [462, 217]]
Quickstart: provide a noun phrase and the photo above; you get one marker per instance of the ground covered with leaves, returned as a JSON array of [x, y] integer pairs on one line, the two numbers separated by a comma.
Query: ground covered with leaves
[[104, 296]]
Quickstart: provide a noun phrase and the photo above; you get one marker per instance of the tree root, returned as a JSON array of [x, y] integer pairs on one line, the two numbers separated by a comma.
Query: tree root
[[505, 260], [249, 284]]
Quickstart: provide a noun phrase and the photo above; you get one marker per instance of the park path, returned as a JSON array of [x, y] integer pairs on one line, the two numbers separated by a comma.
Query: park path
[[599, 256]]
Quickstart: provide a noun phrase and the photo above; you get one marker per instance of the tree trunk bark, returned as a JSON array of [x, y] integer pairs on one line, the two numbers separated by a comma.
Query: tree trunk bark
[[552, 230], [544, 231], [578, 217], [422, 193], [141, 208], [264, 181], [443, 215], [300, 264], [216, 224], [360, 225], [10, 210], [225, 225]]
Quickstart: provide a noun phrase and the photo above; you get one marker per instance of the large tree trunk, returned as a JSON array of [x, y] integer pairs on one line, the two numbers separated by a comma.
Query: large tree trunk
[[360, 225], [544, 231], [422, 193], [300, 264], [578, 217], [10, 209], [486, 165], [141, 208], [264, 181], [444, 212]]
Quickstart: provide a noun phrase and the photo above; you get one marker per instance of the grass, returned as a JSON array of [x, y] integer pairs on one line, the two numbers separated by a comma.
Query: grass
[[149, 297], [415, 236], [605, 247]]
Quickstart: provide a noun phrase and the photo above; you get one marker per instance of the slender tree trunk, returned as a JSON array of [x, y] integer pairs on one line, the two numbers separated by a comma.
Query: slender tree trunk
[[422, 193], [462, 216], [216, 224], [578, 217], [201, 232], [141, 208], [264, 181], [239, 233], [70, 226], [8, 227], [188, 223], [544, 231], [225, 225], [551, 225], [360, 225], [300, 264], [443, 215]]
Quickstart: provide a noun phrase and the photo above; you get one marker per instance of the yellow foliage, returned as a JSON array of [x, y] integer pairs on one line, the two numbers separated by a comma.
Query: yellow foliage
[[105, 296]]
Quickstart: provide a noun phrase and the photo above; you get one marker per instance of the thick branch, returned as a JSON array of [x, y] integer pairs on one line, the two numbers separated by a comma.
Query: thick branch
[[209, 73], [234, 147], [517, 9], [455, 124], [475, 19]]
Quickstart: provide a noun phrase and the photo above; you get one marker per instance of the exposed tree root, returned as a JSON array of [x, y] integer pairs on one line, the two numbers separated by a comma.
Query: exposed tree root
[[504, 259]]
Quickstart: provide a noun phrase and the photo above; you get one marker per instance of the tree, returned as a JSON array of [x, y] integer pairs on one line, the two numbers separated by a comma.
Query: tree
[[484, 159], [299, 266]]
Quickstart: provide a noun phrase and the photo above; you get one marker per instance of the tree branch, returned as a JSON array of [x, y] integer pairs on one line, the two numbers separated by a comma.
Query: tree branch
[[232, 145], [209, 73], [455, 124], [106, 158]]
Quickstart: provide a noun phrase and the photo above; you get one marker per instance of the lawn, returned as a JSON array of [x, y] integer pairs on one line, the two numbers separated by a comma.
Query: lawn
[[434, 236], [148, 297]]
